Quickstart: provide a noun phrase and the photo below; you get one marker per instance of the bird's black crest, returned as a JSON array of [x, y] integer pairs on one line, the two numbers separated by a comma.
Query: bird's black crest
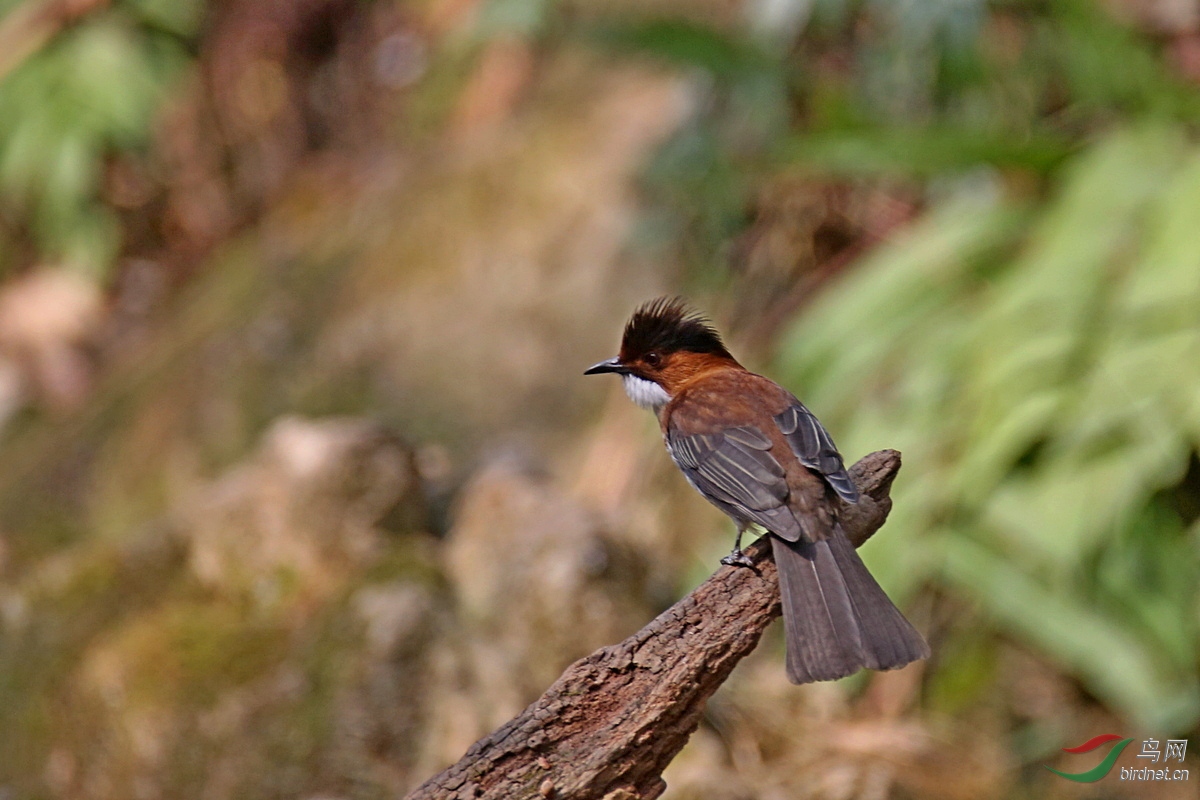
[[668, 324]]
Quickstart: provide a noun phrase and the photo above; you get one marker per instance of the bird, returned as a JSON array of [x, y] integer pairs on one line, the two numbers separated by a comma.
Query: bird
[[759, 455]]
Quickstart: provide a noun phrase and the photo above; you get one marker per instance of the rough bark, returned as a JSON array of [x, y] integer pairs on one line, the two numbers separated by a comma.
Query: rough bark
[[610, 725]]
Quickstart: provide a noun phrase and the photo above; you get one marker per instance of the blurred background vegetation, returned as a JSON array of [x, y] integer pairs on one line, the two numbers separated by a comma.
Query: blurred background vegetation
[[301, 490]]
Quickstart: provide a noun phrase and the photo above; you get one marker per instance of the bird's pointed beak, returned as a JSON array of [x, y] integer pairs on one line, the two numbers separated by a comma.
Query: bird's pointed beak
[[611, 365]]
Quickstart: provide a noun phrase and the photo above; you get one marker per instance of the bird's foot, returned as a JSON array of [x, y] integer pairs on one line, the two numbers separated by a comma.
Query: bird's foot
[[737, 559]]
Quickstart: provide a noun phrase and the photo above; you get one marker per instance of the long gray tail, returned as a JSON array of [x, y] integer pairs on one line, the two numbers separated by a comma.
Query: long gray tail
[[836, 618]]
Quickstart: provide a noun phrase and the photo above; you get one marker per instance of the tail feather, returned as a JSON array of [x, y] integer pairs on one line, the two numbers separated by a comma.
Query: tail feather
[[837, 619]]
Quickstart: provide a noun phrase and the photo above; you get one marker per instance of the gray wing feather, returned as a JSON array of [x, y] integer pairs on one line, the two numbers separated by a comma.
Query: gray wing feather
[[734, 470], [748, 436], [686, 450], [812, 445], [752, 477]]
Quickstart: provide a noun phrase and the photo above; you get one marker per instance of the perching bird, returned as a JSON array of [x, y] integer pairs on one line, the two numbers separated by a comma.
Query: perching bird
[[755, 452]]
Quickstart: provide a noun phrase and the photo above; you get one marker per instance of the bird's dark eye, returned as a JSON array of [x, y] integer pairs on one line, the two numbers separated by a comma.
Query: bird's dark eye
[[653, 359]]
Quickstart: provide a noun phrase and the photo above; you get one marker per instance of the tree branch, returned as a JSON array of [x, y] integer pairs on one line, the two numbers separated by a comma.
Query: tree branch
[[612, 722]]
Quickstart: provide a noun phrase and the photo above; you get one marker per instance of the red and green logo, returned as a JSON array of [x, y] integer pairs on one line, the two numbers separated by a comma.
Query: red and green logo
[[1100, 770]]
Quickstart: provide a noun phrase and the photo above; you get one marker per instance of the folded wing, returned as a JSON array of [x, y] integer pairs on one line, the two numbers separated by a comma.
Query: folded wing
[[734, 470], [813, 446]]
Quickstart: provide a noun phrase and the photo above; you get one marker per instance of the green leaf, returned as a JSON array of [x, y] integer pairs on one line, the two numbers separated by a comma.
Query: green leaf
[[921, 152], [686, 44], [1109, 659]]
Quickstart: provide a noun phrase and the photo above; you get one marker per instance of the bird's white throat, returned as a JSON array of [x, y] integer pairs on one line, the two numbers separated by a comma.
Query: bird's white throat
[[646, 394]]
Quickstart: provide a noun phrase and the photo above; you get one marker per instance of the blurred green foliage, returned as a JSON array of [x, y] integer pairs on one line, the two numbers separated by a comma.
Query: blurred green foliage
[[893, 89], [91, 92], [1038, 369], [1032, 346]]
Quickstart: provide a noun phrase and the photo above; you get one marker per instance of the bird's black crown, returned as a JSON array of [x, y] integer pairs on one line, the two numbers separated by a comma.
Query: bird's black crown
[[668, 325]]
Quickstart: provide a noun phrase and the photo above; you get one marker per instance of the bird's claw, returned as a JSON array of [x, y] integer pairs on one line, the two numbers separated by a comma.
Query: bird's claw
[[737, 559]]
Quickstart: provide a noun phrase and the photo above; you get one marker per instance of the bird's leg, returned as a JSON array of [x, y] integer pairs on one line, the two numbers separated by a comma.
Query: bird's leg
[[737, 558]]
